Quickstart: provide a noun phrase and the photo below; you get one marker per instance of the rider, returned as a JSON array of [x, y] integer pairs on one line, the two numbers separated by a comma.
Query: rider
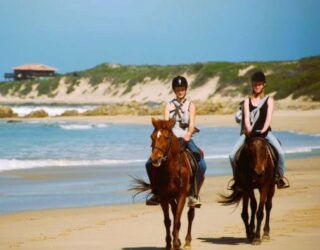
[[261, 125], [183, 111]]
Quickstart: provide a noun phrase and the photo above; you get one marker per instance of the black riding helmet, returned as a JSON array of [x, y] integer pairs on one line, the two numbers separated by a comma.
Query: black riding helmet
[[179, 81], [258, 76]]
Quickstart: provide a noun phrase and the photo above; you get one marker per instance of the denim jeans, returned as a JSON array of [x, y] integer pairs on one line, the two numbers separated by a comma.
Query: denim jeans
[[234, 151], [275, 143], [271, 139], [193, 148]]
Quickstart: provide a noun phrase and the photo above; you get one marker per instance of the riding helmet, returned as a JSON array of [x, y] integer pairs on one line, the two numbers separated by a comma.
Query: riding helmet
[[258, 76], [179, 81]]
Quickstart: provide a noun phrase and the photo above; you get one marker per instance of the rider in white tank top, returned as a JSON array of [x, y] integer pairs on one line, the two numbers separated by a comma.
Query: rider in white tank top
[[181, 113]]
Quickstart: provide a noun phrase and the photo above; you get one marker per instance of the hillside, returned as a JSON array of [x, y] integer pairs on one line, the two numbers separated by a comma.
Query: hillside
[[109, 83]]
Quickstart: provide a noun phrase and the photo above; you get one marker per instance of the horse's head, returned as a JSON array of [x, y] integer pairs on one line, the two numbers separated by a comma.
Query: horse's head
[[161, 137], [257, 153]]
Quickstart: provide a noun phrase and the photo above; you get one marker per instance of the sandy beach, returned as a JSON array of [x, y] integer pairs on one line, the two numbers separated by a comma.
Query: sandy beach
[[295, 221], [295, 217]]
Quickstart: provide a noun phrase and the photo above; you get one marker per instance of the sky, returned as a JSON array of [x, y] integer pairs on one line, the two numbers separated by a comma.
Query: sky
[[74, 35]]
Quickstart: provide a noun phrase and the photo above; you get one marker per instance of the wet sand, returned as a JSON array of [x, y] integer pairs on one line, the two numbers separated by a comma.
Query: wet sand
[[295, 221]]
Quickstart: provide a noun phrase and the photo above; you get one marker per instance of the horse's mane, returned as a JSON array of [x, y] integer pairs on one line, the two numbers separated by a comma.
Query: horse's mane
[[163, 124]]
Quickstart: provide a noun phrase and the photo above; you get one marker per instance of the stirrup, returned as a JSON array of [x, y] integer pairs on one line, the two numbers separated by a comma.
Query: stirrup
[[153, 200], [284, 184], [194, 202]]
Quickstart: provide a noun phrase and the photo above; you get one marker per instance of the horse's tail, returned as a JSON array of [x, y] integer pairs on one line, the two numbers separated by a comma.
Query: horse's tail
[[139, 186], [233, 199]]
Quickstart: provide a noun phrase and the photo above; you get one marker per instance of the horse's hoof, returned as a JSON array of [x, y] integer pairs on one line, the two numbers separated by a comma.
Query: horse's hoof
[[177, 244], [256, 241], [265, 237], [187, 245], [250, 237]]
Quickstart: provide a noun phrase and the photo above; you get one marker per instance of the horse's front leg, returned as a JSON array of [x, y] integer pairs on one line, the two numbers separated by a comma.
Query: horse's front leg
[[266, 228], [263, 197], [167, 222], [190, 220], [245, 217], [177, 221], [253, 205]]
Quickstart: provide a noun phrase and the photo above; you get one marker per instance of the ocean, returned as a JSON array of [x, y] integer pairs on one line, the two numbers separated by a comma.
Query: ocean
[[68, 164]]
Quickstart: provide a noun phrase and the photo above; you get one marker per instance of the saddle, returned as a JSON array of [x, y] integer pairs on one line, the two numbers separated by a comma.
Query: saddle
[[270, 148], [193, 159]]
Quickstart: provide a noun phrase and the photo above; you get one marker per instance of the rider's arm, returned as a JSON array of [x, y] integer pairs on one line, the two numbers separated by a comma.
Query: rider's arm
[[166, 112], [192, 117], [269, 115], [246, 111]]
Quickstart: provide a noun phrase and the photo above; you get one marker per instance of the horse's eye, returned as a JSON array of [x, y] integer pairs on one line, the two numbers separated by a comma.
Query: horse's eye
[[166, 134]]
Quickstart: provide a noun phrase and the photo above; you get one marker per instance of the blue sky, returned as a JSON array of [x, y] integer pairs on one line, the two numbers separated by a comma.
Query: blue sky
[[77, 34]]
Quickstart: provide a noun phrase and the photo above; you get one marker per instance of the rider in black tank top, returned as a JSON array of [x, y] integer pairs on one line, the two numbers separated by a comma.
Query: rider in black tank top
[[262, 117]]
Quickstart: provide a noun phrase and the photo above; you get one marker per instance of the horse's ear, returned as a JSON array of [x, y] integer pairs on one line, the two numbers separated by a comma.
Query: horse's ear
[[154, 122], [171, 123]]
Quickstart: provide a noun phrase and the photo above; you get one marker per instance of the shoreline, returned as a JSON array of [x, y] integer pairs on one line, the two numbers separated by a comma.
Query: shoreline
[[295, 216], [299, 121], [295, 221]]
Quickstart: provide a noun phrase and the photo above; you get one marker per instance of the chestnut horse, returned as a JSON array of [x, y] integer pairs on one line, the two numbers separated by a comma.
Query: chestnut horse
[[172, 179], [255, 170]]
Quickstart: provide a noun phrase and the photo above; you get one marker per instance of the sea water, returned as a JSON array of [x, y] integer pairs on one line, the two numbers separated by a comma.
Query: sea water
[[67, 164]]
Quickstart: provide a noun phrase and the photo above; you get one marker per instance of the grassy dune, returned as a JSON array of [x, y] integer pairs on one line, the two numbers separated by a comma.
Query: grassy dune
[[296, 79]]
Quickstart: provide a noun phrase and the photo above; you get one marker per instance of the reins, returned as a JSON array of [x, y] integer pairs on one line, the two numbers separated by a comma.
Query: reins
[[166, 152]]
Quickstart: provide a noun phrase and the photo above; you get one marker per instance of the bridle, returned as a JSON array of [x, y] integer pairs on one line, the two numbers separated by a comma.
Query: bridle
[[167, 150]]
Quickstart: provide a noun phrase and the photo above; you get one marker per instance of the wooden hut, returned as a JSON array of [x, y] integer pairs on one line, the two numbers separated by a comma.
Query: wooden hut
[[31, 71]]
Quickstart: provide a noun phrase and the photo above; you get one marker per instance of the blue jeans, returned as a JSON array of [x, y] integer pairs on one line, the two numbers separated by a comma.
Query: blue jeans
[[193, 148], [272, 140]]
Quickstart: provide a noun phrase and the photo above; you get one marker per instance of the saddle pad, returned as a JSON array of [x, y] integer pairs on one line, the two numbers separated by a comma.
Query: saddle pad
[[271, 149], [193, 162]]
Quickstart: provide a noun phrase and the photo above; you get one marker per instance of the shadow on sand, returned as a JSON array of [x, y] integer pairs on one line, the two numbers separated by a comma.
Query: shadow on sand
[[225, 240]]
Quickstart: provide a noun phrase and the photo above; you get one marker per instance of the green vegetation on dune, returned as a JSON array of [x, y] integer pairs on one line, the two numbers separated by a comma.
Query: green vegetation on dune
[[292, 78]]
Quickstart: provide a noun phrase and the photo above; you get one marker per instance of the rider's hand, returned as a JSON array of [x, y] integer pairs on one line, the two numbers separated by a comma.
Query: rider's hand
[[187, 137], [262, 131], [247, 132]]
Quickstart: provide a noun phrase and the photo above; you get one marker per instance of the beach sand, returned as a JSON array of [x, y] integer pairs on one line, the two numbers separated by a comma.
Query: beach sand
[[295, 217], [295, 221]]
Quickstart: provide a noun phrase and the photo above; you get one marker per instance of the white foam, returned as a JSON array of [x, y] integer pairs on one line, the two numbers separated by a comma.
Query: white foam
[[301, 149], [51, 110], [81, 126], [14, 164], [222, 156], [76, 126]]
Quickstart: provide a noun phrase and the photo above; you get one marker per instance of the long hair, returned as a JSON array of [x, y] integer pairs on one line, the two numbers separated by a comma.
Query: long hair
[[258, 76], [261, 94]]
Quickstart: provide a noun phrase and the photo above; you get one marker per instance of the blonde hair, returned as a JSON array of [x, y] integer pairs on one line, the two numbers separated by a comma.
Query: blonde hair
[[261, 94]]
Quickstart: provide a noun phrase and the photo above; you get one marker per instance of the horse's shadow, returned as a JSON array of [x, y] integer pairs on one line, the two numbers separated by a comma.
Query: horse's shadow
[[225, 240], [218, 241]]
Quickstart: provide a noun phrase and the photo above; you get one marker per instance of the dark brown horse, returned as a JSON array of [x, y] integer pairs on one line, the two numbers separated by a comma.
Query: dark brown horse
[[255, 170], [171, 179]]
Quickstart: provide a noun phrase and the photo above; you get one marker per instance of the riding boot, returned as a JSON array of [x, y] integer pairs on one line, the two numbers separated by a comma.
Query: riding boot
[[235, 186], [153, 198], [194, 199], [282, 182]]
